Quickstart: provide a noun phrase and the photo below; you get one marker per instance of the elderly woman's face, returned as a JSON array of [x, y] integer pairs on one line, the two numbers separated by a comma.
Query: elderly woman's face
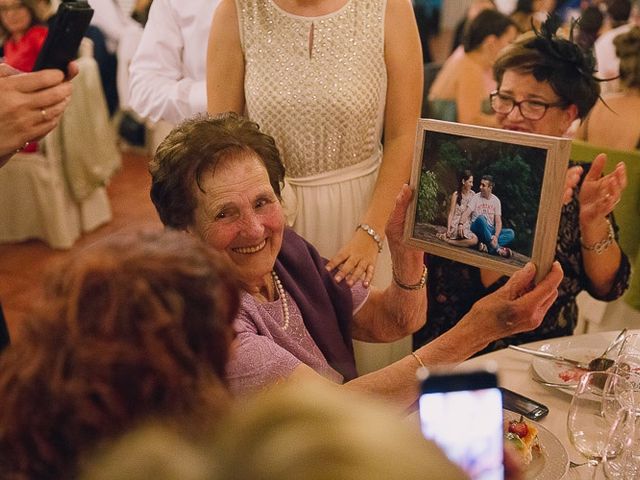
[[524, 87], [240, 216]]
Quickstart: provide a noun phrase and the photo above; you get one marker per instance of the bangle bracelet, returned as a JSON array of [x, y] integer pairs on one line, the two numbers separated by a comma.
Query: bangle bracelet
[[602, 245], [372, 233], [415, 286], [415, 355]]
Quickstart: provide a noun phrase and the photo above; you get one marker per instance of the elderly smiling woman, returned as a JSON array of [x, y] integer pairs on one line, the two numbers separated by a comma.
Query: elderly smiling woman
[[219, 178]]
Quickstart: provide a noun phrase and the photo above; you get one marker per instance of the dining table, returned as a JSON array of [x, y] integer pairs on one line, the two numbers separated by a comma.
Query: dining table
[[516, 373]]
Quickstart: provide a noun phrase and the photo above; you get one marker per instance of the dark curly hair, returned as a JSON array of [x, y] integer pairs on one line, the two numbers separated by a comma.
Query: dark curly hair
[[560, 62], [135, 327], [197, 145], [488, 22]]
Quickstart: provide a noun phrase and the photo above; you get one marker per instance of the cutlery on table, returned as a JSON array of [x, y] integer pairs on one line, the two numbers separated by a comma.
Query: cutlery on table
[[550, 356], [602, 362]]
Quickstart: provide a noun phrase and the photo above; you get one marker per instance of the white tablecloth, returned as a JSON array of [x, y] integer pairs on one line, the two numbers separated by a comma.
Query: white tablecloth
[[514, 370]]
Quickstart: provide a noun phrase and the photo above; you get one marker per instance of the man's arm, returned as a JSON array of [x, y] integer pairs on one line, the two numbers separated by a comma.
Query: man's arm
[[498, 227], [161, 86]]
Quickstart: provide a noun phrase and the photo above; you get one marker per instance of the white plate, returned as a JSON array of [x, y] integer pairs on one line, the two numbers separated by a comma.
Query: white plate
[[552, 462], [578, 348]]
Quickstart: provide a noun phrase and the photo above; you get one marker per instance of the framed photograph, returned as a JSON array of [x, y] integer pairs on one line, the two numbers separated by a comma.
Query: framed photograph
[[473, 182]]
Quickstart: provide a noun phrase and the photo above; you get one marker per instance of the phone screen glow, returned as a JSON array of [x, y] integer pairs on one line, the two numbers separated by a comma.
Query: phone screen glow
[[467, 425]]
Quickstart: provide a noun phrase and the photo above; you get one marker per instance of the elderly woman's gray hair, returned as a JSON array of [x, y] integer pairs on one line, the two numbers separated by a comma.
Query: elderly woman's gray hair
[[196, 146]]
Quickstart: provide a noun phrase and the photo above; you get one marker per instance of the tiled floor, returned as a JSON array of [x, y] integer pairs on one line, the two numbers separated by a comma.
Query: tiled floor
[[22, 264]]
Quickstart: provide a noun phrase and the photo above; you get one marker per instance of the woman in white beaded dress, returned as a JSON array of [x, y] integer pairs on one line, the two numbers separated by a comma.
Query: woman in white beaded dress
[[324, 77]]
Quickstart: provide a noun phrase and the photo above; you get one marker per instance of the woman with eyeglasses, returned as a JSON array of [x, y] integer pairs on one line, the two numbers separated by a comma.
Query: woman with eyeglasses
[[544, 84]]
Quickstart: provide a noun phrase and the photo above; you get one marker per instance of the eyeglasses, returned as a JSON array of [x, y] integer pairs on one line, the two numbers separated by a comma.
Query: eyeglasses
[[529, 109], [11, 6]]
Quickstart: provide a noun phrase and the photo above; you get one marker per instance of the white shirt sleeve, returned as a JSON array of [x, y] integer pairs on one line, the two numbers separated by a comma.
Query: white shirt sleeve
[[168, 72]]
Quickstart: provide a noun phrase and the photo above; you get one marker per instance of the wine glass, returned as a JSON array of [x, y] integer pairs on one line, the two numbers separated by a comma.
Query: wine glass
[[596, 422], [627, 465], [629, 354]]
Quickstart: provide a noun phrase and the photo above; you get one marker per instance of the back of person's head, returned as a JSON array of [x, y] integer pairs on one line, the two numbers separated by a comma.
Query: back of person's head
[[488, 22], [591, 20], [304, 430], [567, 68], [155, 451], [628, 51], [314, 431], [590, 24], [194, 147], [618, 11], [136, 325]]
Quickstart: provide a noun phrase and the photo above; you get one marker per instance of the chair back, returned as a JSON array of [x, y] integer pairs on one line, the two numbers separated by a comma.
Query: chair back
[[627, 212]]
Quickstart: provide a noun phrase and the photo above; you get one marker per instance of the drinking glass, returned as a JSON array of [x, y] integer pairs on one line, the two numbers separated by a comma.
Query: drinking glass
[[629, 354], [597, 419], [627, 465]]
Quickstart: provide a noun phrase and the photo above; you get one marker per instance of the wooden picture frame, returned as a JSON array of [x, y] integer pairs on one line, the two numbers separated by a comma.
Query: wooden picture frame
[[528, 173]]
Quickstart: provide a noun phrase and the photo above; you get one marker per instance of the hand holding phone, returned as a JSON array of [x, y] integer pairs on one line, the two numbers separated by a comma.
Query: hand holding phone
[[64, 37], [462, 413]]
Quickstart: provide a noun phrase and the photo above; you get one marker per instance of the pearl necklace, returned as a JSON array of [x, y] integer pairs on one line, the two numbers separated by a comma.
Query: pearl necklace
[[280, 289]]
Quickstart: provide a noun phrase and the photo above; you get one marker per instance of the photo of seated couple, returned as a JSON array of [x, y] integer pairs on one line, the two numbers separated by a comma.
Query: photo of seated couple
[[475, 218]]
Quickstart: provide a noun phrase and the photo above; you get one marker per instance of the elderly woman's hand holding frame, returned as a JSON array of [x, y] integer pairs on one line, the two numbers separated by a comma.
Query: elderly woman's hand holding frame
[[387, 315]]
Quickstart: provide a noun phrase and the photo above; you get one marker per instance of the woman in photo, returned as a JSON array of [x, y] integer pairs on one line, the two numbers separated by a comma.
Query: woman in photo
[[460, 234]]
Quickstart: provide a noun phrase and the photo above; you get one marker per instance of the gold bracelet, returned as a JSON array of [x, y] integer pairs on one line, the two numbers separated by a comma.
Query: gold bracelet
[[372, 233], [602, 245], [415, 286], [418, 359]]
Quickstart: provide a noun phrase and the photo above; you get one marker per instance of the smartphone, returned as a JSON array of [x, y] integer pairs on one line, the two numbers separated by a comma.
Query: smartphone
[[462, 413], [523, 405], [64, 37]]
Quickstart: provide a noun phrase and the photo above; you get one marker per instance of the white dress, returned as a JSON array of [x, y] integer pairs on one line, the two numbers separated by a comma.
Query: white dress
[[318, 86]]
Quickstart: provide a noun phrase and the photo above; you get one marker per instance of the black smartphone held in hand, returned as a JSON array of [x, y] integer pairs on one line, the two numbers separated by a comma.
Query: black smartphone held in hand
[[462, 413], [523, 405], [64, 37]]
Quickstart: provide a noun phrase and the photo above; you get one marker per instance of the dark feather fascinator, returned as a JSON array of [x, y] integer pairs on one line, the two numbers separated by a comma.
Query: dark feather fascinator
[[561, 53]]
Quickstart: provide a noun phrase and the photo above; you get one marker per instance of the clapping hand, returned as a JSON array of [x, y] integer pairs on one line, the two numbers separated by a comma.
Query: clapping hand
[[571, 182], [599, 194]]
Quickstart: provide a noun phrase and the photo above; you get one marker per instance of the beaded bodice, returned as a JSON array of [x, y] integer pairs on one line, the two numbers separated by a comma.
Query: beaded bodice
[[316, 84]]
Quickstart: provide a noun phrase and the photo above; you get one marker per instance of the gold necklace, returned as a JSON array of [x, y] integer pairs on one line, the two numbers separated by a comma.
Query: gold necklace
[[283, 297]]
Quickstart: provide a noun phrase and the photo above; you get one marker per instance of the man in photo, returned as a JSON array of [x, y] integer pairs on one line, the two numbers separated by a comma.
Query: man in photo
[[485, 211]]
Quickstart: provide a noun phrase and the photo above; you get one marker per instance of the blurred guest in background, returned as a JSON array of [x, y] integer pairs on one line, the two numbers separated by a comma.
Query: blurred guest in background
[[136, 326], [531, 13], [589, 28], [22, 24], [460, 84], [472, 12], [168, 71], [616, 124], [617, 22]]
